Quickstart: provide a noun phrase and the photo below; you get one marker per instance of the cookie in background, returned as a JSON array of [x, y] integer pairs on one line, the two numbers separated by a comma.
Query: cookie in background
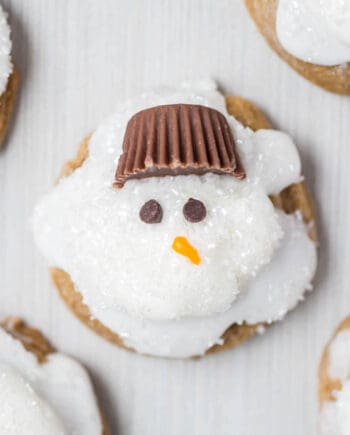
[[42, 391], [334, 383], [9, 77], [312, 36]]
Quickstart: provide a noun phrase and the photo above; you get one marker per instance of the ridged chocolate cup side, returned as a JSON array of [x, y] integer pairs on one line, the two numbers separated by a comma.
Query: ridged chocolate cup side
[[177, 139]]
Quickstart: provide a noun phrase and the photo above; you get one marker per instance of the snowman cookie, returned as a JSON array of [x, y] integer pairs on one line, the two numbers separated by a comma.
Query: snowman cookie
[[334, 383], [9, 78], [163, 236], [312, 36], [42, 391]]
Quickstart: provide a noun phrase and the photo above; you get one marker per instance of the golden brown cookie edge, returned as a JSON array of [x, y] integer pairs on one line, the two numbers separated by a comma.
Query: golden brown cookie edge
[[7, 103], [295, 197], [332, 78]]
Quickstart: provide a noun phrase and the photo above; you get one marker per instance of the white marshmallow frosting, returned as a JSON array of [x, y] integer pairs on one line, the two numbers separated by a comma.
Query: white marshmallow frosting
[[316, 31], [5, 51], [55, 397], [131, 278], [335, 416]]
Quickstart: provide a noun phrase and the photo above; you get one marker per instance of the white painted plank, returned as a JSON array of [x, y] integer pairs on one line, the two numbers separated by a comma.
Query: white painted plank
[[78, 59]]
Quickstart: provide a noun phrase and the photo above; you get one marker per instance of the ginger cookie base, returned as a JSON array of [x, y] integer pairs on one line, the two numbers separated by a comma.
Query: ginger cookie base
[[333, 78], [7, 103], [295, 197], [326, 384], [35, 342]]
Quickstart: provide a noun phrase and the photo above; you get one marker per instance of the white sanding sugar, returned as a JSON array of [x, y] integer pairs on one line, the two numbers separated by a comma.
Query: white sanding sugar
[[277, 288], [118, 260], [5, 51], [271, 157], [121, 264], [22, 410], [316, 31], [44, 398]]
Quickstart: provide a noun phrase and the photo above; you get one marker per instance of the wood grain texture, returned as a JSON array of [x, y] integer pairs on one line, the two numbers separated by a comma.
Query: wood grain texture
[[76, 64]]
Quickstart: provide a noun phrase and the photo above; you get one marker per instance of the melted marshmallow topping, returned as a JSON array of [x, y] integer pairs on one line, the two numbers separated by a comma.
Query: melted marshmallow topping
[[316, 31], [127, 271], [22, 410], [335, 416], [121, 261], [40, 399], [278, 287]]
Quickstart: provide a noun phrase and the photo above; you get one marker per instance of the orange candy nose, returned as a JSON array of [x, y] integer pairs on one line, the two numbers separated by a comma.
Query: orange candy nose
[[183, 247]]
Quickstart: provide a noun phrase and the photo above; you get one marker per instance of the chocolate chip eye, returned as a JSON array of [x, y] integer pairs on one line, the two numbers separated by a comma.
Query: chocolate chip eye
[[194, 210], [151, 212]]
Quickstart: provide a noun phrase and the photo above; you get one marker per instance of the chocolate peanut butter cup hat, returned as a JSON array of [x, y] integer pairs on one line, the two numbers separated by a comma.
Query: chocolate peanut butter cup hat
[[177, 139]]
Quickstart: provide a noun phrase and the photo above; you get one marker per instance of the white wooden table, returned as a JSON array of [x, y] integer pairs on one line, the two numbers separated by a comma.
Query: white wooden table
[[77, 59]]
